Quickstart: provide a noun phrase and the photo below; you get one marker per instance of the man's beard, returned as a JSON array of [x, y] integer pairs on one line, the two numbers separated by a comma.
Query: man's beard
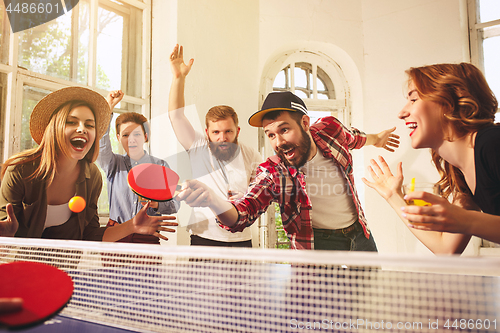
[[223, 154], [302, 151]]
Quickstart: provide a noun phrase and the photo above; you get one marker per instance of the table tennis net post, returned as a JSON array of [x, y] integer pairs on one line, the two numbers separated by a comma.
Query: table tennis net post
[[149, 288]]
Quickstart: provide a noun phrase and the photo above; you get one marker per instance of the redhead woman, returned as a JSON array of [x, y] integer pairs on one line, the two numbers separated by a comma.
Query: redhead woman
[[37, 184], [451, 110]]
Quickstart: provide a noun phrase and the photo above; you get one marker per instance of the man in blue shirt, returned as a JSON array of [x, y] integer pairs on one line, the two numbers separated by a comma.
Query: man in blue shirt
[[123, 203]]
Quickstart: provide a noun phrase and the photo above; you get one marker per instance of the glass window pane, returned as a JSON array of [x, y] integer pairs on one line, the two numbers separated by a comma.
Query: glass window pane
[[103, 203], [320, 85], [31, 96], [300, 78], [46, 49], [109, 49], [279, 81], [497, 117], [322, 96], [491, 49], [282, 241], [315, 115], [325, 84], [115, 145], [489, 10], [83, 41], [301, 94]]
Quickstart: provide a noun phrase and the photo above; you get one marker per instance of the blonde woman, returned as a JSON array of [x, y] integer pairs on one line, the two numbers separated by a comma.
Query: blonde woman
[[451, 110], [37, 184]]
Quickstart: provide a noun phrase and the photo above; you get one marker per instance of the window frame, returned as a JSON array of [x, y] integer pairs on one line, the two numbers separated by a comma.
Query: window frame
[[477, 59], [475, 42], [17, 77], [476, 49]]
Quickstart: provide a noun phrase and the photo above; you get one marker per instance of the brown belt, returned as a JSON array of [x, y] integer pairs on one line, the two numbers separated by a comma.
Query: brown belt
[[338, 231]]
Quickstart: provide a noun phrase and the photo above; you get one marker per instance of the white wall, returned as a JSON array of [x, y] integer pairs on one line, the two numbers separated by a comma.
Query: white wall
[[234, 41], [222, 37], [399, 35]]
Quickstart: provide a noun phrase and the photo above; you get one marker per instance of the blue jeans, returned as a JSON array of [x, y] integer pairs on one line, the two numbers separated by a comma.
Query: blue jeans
[[354, 240]]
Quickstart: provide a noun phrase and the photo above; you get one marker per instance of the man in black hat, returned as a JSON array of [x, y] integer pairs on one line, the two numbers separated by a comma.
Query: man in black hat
[[310, 177]]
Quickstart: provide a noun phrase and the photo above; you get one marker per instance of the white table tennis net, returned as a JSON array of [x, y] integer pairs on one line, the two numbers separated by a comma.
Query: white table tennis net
[[198, 289]]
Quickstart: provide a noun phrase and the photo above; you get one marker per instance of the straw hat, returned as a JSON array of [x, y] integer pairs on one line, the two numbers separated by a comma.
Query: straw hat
[[42, 112]]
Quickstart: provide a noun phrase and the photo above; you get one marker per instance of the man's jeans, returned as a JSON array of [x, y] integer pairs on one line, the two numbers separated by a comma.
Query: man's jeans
[[353, 240]]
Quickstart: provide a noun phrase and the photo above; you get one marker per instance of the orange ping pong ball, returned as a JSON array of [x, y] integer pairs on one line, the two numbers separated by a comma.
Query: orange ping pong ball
[[76, 204]]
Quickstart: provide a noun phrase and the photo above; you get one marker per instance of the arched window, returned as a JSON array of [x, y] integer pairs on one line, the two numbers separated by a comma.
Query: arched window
[[309, 81], [312, 84]]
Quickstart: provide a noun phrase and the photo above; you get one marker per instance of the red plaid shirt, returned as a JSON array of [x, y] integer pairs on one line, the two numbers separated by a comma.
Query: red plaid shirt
[[275, 182]]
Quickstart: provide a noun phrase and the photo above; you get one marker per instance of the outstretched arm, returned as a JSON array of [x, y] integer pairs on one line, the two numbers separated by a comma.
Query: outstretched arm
[[389, 187], [197, 194], [183, 129], [141, 223], [385, 139]]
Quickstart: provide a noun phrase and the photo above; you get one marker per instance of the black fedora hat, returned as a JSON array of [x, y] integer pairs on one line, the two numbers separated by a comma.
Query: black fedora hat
[[283, 100]]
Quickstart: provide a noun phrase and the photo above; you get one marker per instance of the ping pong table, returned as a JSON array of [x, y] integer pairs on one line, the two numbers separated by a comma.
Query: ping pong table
[[142, 289]]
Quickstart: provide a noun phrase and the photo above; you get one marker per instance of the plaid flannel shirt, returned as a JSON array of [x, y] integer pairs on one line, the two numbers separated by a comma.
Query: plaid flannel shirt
[[274, 182]]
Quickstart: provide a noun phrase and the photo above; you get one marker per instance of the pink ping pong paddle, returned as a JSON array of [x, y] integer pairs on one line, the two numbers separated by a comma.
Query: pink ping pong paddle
[[44, 289], [153, 182]]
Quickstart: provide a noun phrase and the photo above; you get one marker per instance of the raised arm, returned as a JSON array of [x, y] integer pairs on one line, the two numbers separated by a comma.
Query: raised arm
[[385, 139], [114, 97], [389, 187], [106, 155], [183, 129]]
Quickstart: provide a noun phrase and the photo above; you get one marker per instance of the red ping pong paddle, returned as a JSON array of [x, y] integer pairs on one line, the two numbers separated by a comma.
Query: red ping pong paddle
[[44, 289], [153, 182]]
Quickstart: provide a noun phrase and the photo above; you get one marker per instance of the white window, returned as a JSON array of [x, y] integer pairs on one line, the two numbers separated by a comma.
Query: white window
[[484, 28], [99, 44], [321, 84], [484, 36]]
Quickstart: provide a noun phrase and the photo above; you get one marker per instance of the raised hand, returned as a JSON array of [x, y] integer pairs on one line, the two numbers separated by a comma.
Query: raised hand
[[114, 97], [384, 182], [179, 68], [387, 140], [152, 225]]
